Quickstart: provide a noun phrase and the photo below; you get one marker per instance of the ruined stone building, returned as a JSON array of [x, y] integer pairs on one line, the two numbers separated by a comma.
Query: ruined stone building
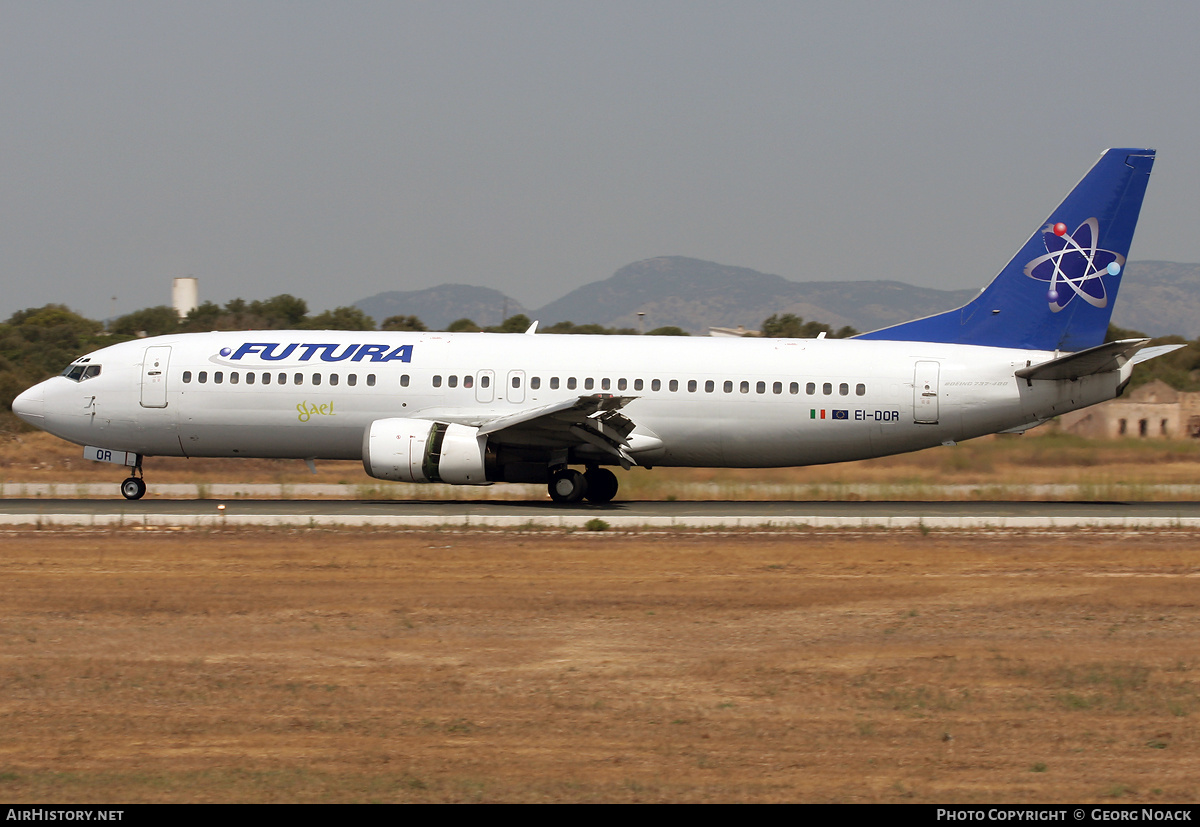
[[1151, 411]]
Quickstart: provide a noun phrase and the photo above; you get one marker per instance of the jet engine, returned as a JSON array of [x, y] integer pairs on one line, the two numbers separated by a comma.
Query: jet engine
[[417, 450]]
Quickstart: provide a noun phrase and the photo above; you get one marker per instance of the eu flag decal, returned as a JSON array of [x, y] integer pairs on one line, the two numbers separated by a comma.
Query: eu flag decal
[[840, 414]]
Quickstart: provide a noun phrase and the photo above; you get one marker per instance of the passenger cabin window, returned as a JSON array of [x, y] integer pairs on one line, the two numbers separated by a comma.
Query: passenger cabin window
[[234, 377], [352, 379], [202, 377], [810, 388], [535, 382], [553, 383], [316, 378], [437, 381], [844, 389], [249, 378], [589, 384], [468, 381], [187, 376], [860, 389], [571, 383], [673, 385], [655, 384], [452, 381], [827, 388], [370, 380]]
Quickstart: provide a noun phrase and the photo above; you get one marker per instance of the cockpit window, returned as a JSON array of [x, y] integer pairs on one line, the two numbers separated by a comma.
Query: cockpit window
[[80, 372]]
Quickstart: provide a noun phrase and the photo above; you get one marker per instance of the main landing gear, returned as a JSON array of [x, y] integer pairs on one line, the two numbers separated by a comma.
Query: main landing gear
[[596, 485], [134, 488]]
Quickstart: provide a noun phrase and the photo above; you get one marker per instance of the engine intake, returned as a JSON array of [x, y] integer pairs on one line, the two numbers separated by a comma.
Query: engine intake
[[417, 450]]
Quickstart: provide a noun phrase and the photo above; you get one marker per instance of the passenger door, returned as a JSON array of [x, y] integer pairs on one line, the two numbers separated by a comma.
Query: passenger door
[[925, 393], [154, 376]]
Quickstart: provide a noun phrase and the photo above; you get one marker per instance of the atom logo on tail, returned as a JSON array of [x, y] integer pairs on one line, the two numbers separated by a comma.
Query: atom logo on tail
[[1073, 266]]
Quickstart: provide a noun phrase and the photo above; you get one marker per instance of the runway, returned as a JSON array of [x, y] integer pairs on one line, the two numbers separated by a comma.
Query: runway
[[618, 515]]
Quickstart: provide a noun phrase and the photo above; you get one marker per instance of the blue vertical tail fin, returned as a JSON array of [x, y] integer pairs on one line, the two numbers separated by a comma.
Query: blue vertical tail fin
[[1057, 293]]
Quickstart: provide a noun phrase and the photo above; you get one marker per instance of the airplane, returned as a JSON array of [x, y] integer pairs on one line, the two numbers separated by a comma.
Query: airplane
[[481, 408]]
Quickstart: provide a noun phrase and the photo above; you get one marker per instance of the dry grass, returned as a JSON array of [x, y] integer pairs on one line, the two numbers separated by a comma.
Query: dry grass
[[1000, 467], [321, 666]]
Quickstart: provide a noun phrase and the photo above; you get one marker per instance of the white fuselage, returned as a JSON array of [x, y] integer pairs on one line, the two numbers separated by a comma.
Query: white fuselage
[[699, 402]]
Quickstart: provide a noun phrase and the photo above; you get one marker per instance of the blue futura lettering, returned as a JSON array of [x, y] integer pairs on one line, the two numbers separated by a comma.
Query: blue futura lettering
[[248, 348], [354, 352], [376, 352], [328, 355], [270, 354], [380, 353]]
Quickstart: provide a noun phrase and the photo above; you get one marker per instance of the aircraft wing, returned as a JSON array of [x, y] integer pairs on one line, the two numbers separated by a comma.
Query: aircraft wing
[[596, 420]]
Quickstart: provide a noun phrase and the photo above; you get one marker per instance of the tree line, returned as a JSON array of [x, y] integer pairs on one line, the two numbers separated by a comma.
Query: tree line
[[286, 312]]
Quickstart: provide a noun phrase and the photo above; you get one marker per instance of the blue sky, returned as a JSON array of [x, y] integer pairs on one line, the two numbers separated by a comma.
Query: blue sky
[[336, 150]]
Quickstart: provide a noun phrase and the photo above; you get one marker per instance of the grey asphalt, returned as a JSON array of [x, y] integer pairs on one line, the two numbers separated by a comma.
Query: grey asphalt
[[493, 513]]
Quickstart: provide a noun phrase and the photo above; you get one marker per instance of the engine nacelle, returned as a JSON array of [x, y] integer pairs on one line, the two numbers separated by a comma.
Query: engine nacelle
[[417, 450]]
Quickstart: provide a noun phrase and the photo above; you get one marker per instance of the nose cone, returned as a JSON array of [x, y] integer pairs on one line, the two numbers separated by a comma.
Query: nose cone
[[31, 406]]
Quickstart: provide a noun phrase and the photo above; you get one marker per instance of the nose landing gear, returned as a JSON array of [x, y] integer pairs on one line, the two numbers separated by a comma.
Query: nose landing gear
[[134, 487]]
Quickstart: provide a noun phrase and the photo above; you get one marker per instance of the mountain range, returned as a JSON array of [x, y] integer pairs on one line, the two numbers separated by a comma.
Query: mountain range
[[1157, 297]]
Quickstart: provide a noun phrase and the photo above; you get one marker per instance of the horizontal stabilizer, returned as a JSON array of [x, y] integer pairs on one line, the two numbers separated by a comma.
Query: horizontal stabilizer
[[1146, 354], [1100, 359]]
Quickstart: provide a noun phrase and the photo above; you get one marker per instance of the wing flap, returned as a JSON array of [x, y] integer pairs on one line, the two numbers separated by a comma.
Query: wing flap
[[568, 410], [595, 420]]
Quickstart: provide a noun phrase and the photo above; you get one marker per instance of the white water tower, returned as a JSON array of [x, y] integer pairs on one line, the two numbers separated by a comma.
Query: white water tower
[[185, 295]]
